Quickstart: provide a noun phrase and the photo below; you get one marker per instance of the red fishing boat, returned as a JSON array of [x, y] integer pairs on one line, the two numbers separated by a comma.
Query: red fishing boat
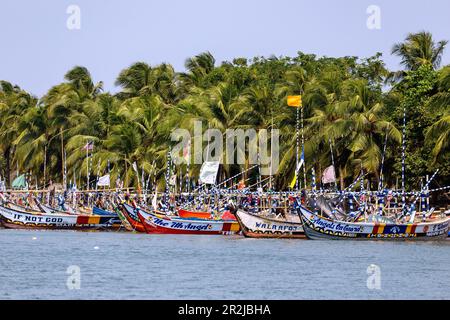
[[171, 225], [130, 215]]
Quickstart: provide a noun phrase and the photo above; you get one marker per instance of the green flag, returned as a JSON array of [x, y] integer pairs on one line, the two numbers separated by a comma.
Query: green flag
[[20, 182]]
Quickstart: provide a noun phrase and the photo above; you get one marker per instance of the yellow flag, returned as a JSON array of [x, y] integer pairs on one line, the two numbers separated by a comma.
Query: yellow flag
[[294, 180], [294, 101]]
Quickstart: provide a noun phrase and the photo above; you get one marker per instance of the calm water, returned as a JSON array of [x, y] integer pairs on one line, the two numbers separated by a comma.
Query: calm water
[[138, 266]]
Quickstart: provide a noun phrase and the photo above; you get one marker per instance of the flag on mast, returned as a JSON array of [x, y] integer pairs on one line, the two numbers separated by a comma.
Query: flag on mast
[[155, 199], [173, 180], [135, 168], [297, 169], [187, 152], [329, 175], [104, 181], [294, 101], [89, 146], [208, 172], [134, 165]]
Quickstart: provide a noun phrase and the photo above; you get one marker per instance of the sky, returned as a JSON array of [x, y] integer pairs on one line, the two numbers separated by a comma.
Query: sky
[[37, 48]]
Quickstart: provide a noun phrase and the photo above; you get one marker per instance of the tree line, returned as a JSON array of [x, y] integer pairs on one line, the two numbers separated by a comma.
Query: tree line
[[353, 109]]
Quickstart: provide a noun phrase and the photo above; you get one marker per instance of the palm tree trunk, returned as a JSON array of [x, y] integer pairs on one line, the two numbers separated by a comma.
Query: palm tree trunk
[[62, 154], [341, 178], [126, 174], [7, 157], [45, 165]]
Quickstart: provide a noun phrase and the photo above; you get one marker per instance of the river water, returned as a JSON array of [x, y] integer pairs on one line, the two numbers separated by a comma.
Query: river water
[[119, 265]]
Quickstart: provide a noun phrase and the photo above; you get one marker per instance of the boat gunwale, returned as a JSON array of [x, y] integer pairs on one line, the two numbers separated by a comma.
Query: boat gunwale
[[269, 219]]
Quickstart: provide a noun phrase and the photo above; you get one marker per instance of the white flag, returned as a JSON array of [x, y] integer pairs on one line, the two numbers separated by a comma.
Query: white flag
[[208, 172], [155, 199], [103, 181], [134, 165], [329, 175], [173, 180]]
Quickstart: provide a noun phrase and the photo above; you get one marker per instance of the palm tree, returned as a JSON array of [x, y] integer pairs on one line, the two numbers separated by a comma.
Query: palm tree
[[166, 84], [94, 123], [65, 100], [135, 80], [198, 68], [368, 128], [81, 81], [14, 102], [321, 95], [418, 49], [216, 106], [354, 124], [32, 141], [438, 134]]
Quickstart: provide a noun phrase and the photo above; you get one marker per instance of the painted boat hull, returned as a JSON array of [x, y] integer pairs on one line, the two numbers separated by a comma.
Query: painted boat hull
[[131, 218], [101, 212], [14, 219], [123, 220], [157, 224], [317, 227], [254, 226]]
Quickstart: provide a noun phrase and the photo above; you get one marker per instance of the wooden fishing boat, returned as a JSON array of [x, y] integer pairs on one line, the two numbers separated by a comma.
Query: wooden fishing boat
[[259, 226], [124, 220], [95, 211], [15, 219], [317, 227], [129, 217], [169, 225]]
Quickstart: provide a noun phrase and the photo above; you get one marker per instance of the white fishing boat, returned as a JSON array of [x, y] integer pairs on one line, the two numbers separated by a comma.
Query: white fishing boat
[[263, 226], [318, 227]]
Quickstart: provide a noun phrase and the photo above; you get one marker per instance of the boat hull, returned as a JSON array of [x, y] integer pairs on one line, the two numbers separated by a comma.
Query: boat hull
[[254, 226], [165, 225], [123, 219], [317, 227], [131, 220], [14, 219], [101, 212]]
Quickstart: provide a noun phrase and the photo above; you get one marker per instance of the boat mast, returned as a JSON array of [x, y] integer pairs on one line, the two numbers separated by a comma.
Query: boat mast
[[403, 160], [332, 162]]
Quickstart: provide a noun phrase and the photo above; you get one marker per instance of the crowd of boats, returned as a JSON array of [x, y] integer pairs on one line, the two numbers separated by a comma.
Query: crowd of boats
[[304, 215]]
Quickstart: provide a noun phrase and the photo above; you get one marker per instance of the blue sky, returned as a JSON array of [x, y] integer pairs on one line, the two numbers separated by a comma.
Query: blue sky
[[36, 47]]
